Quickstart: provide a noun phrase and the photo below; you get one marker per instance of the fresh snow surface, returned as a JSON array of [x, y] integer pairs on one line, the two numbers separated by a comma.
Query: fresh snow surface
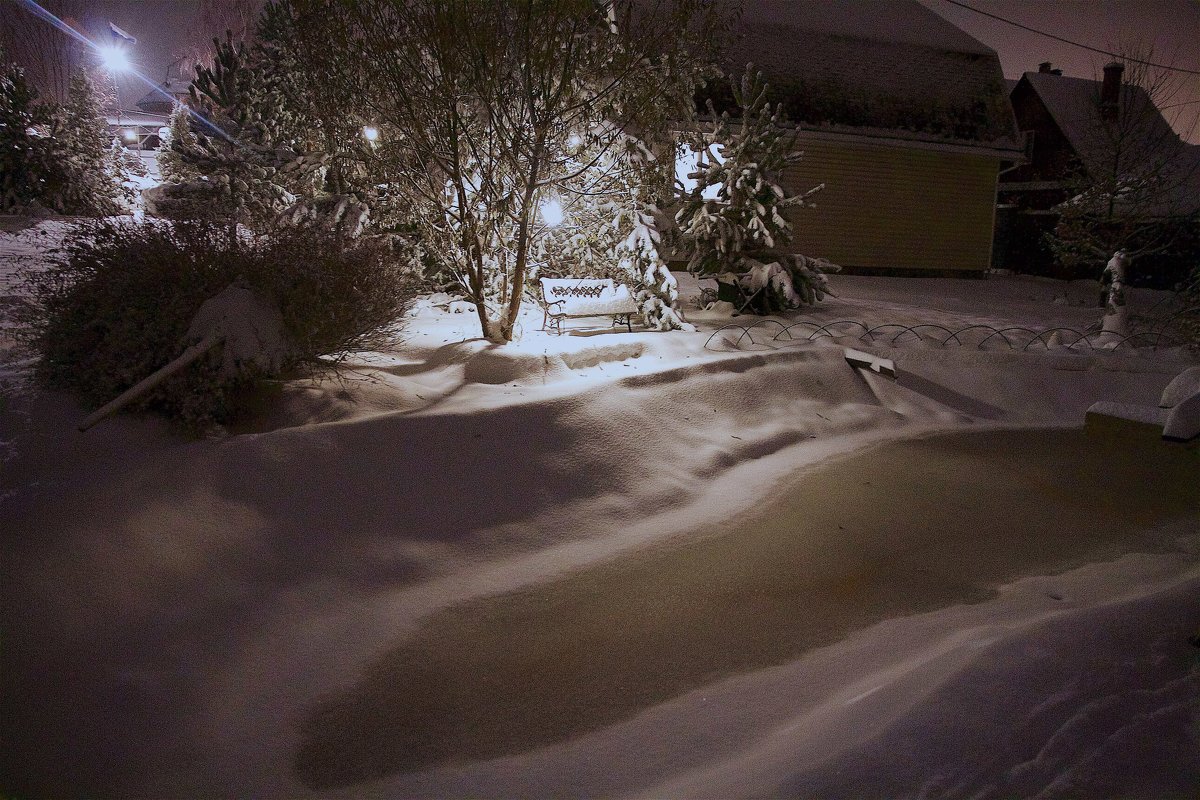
[[179, 607]]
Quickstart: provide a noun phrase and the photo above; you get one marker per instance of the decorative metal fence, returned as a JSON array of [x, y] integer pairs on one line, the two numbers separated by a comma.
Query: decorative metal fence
[[1016, 338]]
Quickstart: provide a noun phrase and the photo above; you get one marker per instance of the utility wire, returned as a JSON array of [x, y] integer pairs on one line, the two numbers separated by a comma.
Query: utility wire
[[1073, 44]]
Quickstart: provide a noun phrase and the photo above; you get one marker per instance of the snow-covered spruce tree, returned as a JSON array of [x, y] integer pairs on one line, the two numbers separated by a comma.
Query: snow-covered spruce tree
[[733, 232], [248, 163], [478, 106], [170, 160], [27, 161], [91, 180]]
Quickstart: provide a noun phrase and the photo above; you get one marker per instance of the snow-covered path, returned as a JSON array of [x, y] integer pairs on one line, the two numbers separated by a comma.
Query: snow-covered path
[[176, 613]]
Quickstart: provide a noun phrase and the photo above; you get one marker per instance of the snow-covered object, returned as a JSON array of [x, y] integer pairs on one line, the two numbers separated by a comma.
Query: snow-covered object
[[1116, 313], [1183, 421], [250, 327], [1181, 387], [1127, 412], [574, 298], [857, 358]]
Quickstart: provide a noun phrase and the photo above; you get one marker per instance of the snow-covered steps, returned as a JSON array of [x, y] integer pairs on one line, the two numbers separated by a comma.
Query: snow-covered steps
[[1177, 416]]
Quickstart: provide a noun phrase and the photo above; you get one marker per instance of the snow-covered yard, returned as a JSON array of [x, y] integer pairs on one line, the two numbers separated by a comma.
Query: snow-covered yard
[[733, 558]]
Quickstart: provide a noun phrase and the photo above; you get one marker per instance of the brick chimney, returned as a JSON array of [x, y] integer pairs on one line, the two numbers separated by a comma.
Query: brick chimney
[[1046, 68], [1110, 90]]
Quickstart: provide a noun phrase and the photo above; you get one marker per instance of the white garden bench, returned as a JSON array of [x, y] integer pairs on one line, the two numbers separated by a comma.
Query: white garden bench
[[573, 298]]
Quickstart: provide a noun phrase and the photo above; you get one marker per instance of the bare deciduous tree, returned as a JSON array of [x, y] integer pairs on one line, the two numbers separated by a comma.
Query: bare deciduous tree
[[482, 109], [1136, 187], [48, 54]]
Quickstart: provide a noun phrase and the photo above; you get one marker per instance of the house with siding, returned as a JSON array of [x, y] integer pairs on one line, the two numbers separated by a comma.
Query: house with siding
[[904, 118]]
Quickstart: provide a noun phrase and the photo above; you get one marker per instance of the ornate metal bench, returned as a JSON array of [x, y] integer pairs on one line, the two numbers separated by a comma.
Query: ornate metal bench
[[574, 298]]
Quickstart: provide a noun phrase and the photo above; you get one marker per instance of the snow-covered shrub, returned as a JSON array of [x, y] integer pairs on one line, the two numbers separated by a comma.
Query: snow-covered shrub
[[117, 305]]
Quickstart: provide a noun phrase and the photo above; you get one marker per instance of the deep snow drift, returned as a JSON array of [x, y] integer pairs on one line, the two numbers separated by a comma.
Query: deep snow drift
[[175, 612]]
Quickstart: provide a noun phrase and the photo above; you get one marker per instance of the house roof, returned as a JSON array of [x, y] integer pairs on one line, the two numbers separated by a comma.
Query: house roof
[[165, 95], [875, 64], [1149, 144]]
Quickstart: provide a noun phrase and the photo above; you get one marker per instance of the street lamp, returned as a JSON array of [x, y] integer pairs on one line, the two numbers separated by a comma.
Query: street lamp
[[114, 56], [371, 133]]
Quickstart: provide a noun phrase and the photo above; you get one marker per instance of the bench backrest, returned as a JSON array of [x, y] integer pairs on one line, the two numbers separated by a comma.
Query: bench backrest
[[574, 289]]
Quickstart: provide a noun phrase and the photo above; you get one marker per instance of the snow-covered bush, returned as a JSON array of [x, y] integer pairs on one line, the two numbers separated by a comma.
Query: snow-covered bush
[[118, 303], [732, 221]]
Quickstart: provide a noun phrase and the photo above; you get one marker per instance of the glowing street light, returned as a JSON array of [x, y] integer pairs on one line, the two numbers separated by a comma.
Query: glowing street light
[[114, 58], [371, 133], [130, 135]]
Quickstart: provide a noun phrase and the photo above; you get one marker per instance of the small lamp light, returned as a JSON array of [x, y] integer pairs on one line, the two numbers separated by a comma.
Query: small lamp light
[[552, 211], [371, 133]]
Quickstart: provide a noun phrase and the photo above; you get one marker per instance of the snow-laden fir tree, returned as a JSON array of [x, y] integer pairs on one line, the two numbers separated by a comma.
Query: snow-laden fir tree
[[732, 221], [170, 160], [244, 150], [27, 160], [91, 178]]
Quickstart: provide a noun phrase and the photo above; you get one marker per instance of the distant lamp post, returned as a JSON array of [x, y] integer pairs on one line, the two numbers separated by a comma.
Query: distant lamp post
[[371, 133], [130, 135]]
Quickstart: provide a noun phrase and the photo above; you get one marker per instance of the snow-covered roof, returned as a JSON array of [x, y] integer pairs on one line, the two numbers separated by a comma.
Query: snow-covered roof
[[163, 97], [140, 118], [882, 64]]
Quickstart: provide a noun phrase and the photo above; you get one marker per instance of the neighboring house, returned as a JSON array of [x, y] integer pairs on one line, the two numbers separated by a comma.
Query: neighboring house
[[140, 129], [902, 116], [173, 89], [137, 130], [1080, 132]]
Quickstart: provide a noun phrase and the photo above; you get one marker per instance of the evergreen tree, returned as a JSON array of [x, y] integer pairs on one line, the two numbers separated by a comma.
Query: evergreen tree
[[170, 161], [90, 183], [733, 230], [249, 165], [27, 160]]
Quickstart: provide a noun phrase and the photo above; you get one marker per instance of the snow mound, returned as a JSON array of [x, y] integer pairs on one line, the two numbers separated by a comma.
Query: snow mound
[[1181, 387]]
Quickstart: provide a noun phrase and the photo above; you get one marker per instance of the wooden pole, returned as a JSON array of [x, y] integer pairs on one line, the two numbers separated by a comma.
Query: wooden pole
[[146, 384]]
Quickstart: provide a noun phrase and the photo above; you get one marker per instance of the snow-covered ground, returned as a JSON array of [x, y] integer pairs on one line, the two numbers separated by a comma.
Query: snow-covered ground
[[242, 616]]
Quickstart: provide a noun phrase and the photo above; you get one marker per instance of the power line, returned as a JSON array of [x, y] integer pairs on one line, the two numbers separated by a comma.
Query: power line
[[1073, 44]]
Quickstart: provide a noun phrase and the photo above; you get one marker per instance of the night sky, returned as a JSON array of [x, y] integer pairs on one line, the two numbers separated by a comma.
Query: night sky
[[164, 28]]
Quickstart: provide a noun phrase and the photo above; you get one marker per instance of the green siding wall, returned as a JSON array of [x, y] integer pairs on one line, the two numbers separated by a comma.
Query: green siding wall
[[893, 207]]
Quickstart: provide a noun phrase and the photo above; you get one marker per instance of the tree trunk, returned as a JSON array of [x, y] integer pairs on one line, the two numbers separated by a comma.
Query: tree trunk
[[508, 317]]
